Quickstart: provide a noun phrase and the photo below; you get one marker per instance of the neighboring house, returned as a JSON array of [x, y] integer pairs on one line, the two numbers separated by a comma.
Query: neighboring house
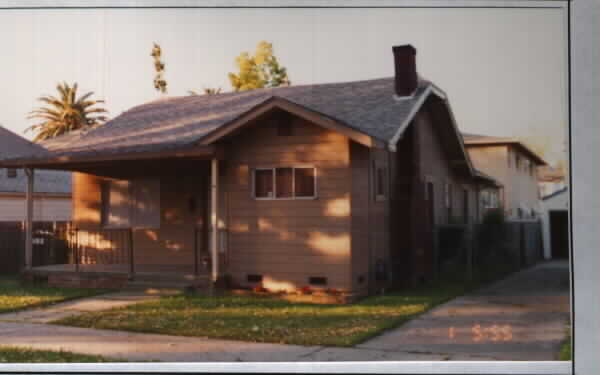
[[550, 180], [332, 185], [52, 188], [555, 221], [515, 166]]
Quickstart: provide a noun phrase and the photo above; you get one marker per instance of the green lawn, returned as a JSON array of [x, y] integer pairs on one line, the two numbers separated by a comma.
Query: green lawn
[[265, 319], [14, 296], [10, 354], [566, 350]]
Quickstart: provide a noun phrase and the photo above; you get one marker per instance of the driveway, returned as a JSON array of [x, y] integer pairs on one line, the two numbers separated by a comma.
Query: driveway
[[523, 317]]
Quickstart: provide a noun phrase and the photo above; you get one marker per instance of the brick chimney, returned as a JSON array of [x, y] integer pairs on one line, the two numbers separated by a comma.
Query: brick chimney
[[406, 70]]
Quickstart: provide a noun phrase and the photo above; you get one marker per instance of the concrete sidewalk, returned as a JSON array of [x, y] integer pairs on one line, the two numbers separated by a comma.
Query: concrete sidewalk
[[523, 317], [147, 347], [61, 310]]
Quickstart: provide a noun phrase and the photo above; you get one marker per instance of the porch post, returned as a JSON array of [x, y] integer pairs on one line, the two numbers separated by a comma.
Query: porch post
[[29, 219], [214, 195]]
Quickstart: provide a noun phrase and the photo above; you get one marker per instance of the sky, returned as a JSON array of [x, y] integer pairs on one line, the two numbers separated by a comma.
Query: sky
[[504, 70]]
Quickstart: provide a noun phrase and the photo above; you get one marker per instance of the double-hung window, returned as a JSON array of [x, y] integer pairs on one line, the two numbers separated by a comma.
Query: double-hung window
[[285, 183], [127, 204]]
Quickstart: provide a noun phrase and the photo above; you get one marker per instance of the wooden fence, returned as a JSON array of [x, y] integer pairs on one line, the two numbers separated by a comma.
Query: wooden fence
[[467, 246]]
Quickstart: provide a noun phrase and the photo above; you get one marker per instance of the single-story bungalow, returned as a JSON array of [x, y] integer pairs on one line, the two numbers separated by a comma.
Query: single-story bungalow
[[335, 185]]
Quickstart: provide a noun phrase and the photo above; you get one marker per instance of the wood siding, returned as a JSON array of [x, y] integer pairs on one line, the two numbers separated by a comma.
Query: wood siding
[[182, 201], [289, 241]]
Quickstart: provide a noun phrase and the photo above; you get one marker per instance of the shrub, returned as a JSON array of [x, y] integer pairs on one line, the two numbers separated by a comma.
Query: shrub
[[306, 290]]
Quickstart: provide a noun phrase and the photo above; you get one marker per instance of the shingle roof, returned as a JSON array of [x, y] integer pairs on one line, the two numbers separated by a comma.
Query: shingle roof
[[13, 146], [49, 182], [366, 106]]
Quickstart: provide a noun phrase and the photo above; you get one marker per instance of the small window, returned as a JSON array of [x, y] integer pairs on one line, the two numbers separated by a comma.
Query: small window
[[284, 182], [263, 183], [518, 162], [317, 280], [449, 201], [466, 206], [380, 182], [254, 278], [304, 182], [509, 158], [11, 172]]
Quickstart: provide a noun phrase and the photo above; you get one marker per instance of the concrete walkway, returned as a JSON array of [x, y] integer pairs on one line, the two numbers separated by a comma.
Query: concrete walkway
[[521, 318], [64, 309]]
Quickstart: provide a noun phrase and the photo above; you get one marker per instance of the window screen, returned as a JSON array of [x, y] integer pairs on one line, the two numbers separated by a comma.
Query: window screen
[[263, 183], [145, 201], [117, 207], [284, 182], [304, 179]]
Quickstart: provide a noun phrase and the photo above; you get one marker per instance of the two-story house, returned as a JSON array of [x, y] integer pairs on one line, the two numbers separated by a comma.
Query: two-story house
[[514, 165]]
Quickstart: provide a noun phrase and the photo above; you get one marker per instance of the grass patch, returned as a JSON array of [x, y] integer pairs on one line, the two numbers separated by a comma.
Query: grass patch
[[265, 319], [9, 354], [566, 350], [16, 296]]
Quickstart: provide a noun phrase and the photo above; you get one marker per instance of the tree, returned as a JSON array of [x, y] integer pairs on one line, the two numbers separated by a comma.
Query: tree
[[258, 71], [159, 82], [66, 113], [207, 91]]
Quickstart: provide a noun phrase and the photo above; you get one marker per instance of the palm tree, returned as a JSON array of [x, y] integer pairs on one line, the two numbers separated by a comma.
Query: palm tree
[[65, 113]]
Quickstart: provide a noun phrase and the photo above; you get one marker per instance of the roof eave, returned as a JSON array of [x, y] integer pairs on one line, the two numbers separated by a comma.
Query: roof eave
[[308, 114]]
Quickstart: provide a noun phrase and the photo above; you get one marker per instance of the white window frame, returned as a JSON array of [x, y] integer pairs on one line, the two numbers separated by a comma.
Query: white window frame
[[274, 176]]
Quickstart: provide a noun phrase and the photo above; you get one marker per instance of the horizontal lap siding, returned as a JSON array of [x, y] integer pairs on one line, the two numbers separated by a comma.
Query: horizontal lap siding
[[171, 244], [288, 241], [44, 209]]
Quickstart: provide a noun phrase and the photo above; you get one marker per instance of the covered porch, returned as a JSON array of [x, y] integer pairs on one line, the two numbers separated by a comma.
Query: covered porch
[[141, 217]]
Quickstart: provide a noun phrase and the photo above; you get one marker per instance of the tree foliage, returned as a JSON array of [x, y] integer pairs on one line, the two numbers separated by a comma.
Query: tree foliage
[[206, 90], [65, 113], [258, 71], [160, 84]]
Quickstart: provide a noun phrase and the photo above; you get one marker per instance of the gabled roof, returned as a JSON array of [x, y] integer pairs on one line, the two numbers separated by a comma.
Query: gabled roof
[[367, 107], [478, 140], [50, 182], [14, 146], [558, 192], [547, 173]]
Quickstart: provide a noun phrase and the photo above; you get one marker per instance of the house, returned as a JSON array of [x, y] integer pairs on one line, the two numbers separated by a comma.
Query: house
[[550, 180], [335, 185], [515, 166], [52, 192], [555, 221]]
